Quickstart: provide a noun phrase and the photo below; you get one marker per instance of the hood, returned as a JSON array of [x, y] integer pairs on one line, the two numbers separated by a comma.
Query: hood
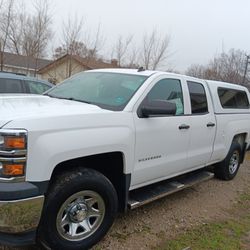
[[14, 107]]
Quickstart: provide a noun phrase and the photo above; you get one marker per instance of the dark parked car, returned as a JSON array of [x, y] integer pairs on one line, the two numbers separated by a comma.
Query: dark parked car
[[16, 83]]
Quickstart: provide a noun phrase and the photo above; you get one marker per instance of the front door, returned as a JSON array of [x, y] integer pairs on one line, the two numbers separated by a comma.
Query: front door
[[162, 141]]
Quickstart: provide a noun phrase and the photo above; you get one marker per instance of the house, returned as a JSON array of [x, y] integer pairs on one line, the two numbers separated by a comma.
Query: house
[[69, 65], [23, 64]]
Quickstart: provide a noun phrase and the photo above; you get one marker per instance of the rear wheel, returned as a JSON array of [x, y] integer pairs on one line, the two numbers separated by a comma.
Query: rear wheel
[[79, 210], [228, 168]]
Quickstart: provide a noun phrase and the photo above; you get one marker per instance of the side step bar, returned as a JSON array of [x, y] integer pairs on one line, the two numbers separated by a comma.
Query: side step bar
[[156, 191]]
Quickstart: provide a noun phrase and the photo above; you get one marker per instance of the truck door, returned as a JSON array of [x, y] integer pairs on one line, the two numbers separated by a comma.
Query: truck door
[[202, 124], [161, 141]]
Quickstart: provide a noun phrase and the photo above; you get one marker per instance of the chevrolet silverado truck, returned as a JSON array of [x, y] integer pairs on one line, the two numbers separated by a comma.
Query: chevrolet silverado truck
[[105, 141]]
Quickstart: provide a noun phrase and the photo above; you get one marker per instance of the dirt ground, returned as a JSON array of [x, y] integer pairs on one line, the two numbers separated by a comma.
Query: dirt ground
[[145, 227]]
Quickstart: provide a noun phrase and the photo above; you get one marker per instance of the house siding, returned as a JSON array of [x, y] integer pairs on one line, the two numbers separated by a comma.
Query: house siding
[[60, 71]]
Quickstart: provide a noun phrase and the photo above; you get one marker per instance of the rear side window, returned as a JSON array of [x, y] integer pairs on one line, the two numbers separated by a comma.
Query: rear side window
[[198, 98], [10, 86], [233, 99], [37, 87]]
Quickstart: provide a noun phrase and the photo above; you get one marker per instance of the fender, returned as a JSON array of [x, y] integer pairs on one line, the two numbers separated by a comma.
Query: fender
[[65, 140]]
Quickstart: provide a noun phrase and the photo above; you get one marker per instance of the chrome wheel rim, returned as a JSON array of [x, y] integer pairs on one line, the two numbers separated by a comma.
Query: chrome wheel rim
[[80, 215], [234, 162]]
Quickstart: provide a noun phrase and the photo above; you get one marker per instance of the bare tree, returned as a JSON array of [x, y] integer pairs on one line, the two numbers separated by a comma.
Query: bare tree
[[71, 34], [151, 55], [16, 34], [227, 67], [42, 21], [155, 48], [1, 4], [29, 34], [5, 22], [94, 43], [42, 34], [196, 70], [133, 58], [78, 41], [76, 48], [121, 48]]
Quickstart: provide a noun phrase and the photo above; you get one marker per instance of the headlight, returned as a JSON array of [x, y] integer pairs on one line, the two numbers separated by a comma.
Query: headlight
[[13, 151]]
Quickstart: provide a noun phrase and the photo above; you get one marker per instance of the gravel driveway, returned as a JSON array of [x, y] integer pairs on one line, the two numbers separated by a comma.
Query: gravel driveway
[[145, 227]]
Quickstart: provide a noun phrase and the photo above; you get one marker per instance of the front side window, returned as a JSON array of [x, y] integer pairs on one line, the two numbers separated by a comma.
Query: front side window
[[110, 91], [168, 90], [10, 86], [197, 97], [232, 98], [37, 87]]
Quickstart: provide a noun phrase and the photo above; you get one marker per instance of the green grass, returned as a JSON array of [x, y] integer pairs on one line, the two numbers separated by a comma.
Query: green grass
[[215, 236], [230, 234], [244, 197], [225, 235]]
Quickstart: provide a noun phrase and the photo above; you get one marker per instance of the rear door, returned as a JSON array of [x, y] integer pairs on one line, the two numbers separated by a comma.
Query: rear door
[[202, 124]]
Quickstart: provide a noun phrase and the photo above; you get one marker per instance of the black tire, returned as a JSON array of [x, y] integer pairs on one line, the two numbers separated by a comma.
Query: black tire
[[68, 185], [225, 170]]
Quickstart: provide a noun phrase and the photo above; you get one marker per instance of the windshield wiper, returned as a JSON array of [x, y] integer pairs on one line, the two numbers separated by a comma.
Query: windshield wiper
[[68, 98], [74, 99]]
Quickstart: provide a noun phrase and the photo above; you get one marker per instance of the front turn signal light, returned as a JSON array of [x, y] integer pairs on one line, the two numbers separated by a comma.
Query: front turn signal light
[[15, 169], [13, 142]]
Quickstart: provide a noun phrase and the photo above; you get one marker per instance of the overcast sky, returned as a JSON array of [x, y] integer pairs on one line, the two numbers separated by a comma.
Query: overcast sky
[[199, 29]]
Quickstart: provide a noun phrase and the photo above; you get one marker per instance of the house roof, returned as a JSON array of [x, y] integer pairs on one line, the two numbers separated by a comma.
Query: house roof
[[26, 62], [86, 62]]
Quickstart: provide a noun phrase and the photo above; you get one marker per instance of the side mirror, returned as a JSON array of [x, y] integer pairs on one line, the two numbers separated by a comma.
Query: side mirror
[[158, 108]]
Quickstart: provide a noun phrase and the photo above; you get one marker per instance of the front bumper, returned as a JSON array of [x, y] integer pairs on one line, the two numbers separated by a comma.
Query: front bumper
[[18, 240], [21, 205], [22, 215]]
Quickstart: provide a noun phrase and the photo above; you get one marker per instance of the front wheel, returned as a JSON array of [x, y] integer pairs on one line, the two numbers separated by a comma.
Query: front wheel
[[78, 211], [228, 168]]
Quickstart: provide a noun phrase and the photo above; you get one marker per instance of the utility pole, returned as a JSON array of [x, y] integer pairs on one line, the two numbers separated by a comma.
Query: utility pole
[[1, 57], [246, 66]]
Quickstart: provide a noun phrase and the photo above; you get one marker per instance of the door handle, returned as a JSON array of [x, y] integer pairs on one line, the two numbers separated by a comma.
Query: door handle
[[210, 124], [184, 126]]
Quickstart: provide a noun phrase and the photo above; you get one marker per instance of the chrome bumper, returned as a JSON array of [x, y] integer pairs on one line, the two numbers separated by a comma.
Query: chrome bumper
[[18, 216]]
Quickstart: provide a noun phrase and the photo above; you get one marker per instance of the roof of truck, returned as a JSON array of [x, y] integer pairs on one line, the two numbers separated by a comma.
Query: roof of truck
[[225, 84], [126, 71], [152, 72]]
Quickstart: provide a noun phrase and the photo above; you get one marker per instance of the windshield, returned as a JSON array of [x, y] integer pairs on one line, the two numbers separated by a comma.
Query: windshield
[[107, 90]]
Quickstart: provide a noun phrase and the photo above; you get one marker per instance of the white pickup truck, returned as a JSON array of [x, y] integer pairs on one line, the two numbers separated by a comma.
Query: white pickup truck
[[110, 140]]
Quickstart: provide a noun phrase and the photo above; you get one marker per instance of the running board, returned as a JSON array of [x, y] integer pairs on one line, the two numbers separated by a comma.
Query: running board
[[156, 191]]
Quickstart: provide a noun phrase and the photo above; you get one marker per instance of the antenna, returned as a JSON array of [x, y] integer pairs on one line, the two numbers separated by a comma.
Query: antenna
[[140, 69]]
